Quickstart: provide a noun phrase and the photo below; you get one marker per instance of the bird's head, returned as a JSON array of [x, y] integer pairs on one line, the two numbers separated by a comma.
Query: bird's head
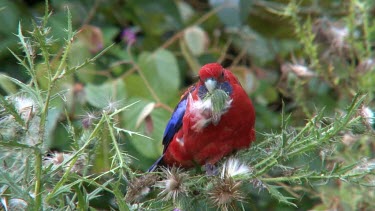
[[211, 75], [215, 90]]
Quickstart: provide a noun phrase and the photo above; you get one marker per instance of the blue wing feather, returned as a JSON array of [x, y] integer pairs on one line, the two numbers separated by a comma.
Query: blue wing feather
[[175, 122]]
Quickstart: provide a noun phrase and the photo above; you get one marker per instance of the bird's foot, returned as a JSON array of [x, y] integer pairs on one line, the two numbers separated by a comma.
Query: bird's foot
[[211, 169]]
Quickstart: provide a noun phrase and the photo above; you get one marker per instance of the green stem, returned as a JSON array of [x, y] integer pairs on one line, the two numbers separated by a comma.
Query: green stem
[[43, 117], [311, 177], [265, 161], [38, 154], [38, 182], [119, 196], [330, 132], [73, 160], [285, 179], [46, 14], [118, 153], [266, 168], [298, 136]]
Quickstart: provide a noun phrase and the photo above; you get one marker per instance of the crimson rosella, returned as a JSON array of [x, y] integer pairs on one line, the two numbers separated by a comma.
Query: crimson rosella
[[214, 118]]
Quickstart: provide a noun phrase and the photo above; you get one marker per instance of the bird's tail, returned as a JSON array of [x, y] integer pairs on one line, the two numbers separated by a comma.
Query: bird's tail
[[158, 162]]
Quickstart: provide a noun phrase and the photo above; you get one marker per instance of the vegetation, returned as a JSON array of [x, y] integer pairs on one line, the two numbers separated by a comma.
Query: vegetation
[[87, 88]]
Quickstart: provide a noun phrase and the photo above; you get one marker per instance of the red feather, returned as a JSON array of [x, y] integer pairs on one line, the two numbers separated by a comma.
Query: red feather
[[199, 141]]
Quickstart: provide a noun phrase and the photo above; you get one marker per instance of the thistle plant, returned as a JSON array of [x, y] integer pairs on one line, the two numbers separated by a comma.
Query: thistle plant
[[33, 178], [318, 145], [273, 166]]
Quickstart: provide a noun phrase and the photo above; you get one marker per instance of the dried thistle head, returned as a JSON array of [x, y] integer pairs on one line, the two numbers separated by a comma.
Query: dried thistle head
[[26, 107], [112, 106], [13, 204], [173, 184], [366, 65], [258, 184], [299, 69], [80, 165], [368, 116], [233, 167], [225, 193], [349, 139], [334, 34], [365, 165], [57, 158], [88, 120], [140, 187]]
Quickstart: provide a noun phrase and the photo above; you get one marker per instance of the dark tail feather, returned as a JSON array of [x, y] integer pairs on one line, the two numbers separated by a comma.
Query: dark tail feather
[[158, 162]]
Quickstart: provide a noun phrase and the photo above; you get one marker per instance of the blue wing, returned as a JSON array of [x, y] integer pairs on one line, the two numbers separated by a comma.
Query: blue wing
[[175, 123]]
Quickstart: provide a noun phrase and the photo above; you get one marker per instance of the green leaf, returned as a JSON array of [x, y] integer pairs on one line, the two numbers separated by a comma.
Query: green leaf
[[11, 110], [78, 54], [81, 196], [135, 87], [188, 56], [63, 189], [119, 195], [11, 180], [196, 40], [234, 12], [162, 13], [27, 49], [142, 148], [218, 98], [161, 73], [10, 15], [257, 46], [279, 196], [144, 113], [186, 11], [6, 85], [27, 89], [101, 95], [245, 6]]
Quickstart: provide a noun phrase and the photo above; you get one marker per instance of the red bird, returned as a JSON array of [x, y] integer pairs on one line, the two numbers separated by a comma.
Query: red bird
[[213, 118]]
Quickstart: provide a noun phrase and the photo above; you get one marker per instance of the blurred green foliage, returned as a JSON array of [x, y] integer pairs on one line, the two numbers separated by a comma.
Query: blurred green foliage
[[295, 57]]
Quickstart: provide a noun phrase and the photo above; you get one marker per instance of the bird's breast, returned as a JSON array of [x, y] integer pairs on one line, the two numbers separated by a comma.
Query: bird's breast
[[202, 114]]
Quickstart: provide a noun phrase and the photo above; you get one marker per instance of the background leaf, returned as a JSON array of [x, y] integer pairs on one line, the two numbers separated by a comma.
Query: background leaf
[[162, 72], [101, 95], [196, 40]]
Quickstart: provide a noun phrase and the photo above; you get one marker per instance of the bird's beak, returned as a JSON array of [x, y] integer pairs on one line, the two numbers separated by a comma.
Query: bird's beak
[[210, 84]]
